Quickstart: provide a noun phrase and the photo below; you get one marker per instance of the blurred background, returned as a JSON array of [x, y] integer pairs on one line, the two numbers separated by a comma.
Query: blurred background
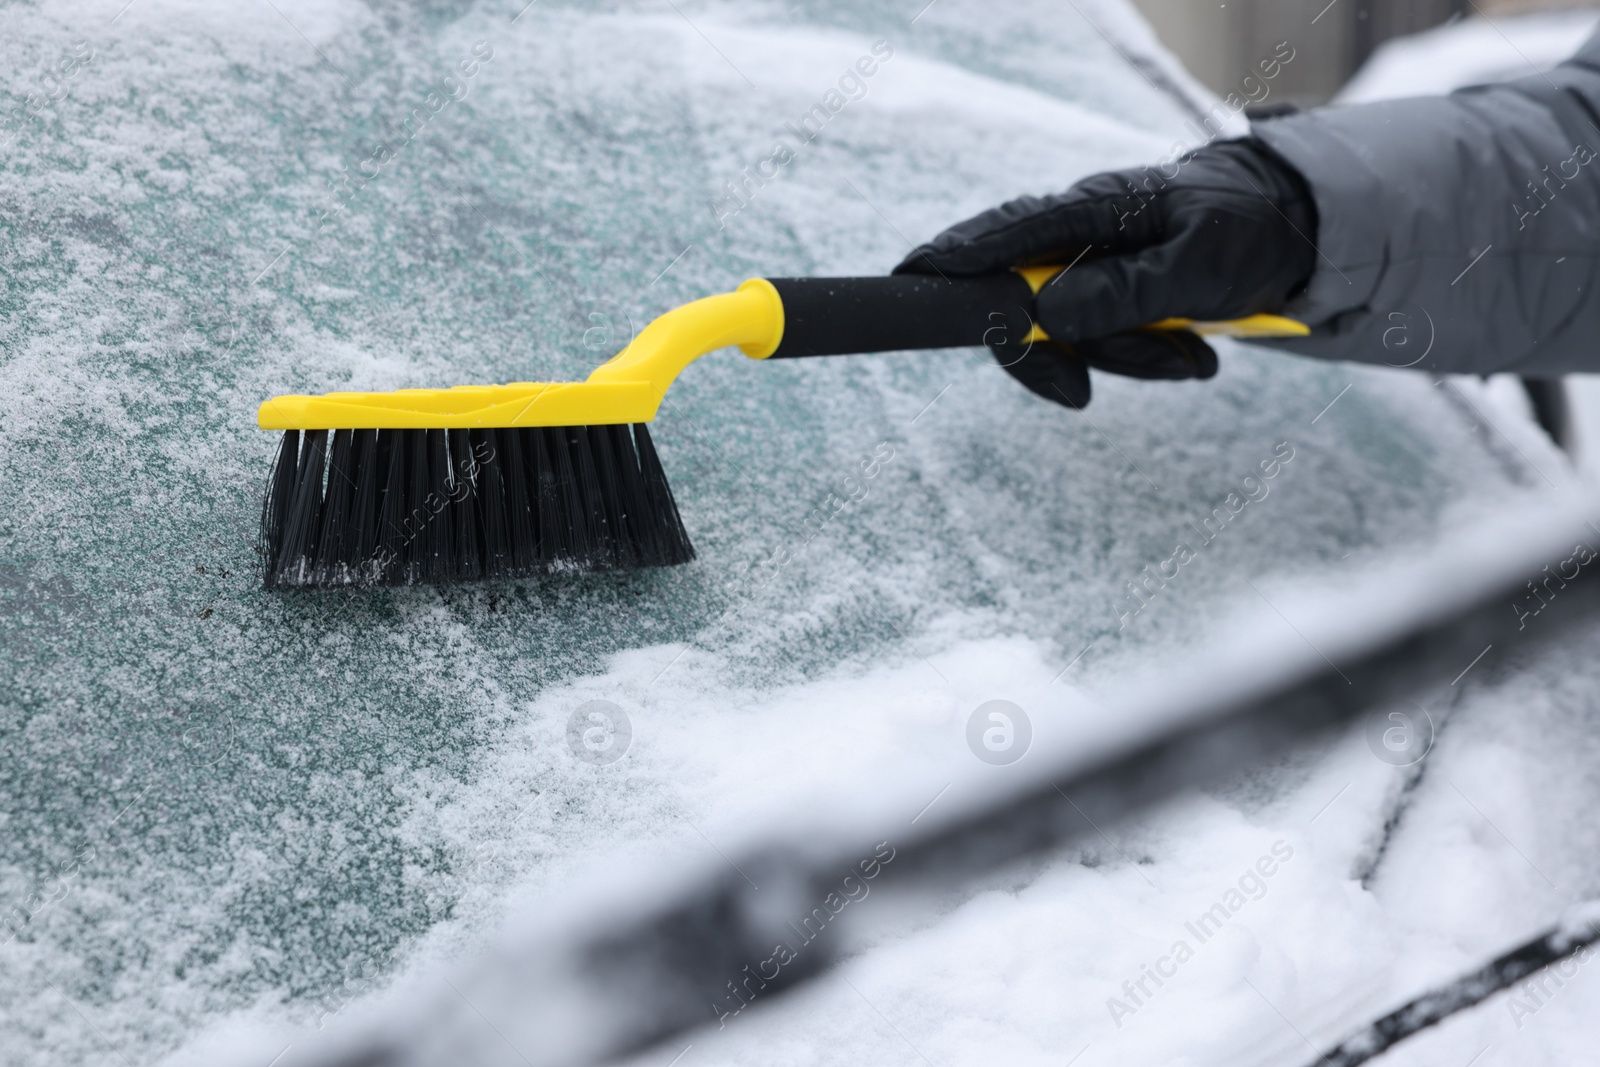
[[1220, 42]]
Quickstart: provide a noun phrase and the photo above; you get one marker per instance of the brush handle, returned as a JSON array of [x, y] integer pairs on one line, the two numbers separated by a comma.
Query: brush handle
[[844, 316]]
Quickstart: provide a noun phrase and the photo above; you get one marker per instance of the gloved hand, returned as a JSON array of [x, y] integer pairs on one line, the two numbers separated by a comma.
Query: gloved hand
[[1231, 233]]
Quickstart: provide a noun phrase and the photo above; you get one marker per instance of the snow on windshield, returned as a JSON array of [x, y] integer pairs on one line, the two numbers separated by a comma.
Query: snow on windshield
[[227, 808]]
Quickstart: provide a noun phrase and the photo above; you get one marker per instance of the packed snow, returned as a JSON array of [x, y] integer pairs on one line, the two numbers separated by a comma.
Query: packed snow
[[231, 817]]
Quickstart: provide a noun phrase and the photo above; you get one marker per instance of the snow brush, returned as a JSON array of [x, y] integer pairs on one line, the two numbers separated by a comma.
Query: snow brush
[[484, 482]]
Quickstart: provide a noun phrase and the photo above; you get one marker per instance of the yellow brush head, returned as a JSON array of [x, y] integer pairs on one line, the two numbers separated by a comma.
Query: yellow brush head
[[626, 389]]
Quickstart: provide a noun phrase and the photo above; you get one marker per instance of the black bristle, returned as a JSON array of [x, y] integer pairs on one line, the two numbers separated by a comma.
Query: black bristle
[[361, 534], [648, 533], [299, 546], [522, 523], [275, 509], [437, 519], [415, 535], [592, 508], [400, 507], [563, 535], [645, 523], [328, 567], [493, 512], [388, 559], [675, 544], [608, 481], [464, 492]]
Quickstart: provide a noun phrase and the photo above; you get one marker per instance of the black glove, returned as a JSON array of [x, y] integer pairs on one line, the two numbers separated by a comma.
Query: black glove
[[1225, 232]]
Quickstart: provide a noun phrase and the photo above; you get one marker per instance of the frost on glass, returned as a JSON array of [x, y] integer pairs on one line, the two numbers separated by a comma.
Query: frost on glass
[[217, 798]]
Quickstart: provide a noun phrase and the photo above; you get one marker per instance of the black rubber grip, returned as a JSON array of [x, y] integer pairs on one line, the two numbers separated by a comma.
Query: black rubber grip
[[841, 316]]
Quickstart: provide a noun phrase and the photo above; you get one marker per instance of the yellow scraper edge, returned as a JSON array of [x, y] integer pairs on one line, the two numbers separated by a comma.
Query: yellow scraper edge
[[1245, 328], [1248, 327], [629, 387]]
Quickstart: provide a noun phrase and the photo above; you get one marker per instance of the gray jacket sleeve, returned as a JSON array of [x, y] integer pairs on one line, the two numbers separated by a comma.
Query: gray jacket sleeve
[[1457, 233]]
